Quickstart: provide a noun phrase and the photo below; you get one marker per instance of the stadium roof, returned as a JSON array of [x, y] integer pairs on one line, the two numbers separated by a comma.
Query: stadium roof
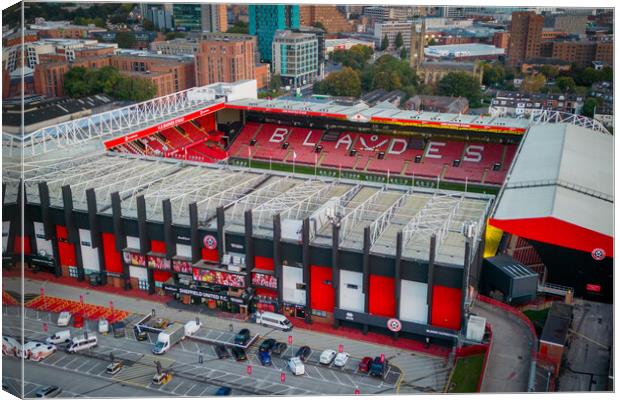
[[560, 189], [463, 50], [418, 212]]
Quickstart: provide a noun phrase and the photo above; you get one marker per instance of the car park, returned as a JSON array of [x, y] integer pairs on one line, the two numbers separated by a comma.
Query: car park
[[223, 391], [242, 337], [114, 368], [364, 365], [267, 345], [378, 367], [64, 318], [296, 366], [279, 348], [78, 321], [264, 358], [59, 337], [48, 391], [327, 356], [341, 359], [239, 354], [303, 353], [221, 351]]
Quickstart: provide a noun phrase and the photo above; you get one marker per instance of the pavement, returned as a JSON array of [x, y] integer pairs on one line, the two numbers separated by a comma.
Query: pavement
[[417, 371], [509, 361], [587, 354]]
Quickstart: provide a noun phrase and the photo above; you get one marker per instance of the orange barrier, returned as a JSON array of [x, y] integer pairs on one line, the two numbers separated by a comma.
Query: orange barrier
[[8, 300], [89, 311]]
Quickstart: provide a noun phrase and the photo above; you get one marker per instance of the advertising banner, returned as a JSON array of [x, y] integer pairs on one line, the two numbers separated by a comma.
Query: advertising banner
[[184, 267], [134, 258], [158, 262], [264, 280], [219, 277]]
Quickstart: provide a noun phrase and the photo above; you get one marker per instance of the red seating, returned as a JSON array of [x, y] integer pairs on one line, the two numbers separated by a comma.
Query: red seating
[[302, 141], [239, 147], [337, 152], [495, 177], [269, 142], [194, 133], [175, 138]]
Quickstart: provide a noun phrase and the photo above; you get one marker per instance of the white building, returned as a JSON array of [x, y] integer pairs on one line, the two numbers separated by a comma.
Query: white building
[[332, 45], [295, 58]]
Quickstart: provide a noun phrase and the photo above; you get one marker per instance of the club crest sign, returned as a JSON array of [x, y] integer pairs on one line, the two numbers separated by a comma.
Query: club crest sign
[[394, 325], [210, 242], [598, 254]]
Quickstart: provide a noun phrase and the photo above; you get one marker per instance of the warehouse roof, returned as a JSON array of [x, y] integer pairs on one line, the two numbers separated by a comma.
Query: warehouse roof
[[463, 50]]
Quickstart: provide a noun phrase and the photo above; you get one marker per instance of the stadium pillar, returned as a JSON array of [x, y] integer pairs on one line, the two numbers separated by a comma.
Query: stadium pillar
[[221, 221], [29, 225], [336, 267], [119, 235], [95, 234], [249, 244], [73, 234], [15, 229], [193, 232], [48, 227], [430, 278], [366, 273], [171, 246], [277, 257], [465, 288], [305, 241], [397, 274], [145, 243]]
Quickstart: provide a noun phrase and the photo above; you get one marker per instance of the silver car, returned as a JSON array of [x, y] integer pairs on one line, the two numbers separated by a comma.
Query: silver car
[[48, 391]]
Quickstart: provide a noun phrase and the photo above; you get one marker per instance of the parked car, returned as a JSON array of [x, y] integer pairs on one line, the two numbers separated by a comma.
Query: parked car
[[64, 318], [267, 345], [239, 354], [221, 351], [364, 365], [341, 359], [242, 337], [303, 353], [327, 356], [378, 368], [264, 358], [114, 368], [223, 391], [48, 391], [78, 321], [59, 337], [296, 366], [279, 348]]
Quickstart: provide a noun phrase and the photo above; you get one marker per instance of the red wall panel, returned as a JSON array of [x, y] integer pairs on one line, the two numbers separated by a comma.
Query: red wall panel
[[158, 247], [265, 263], [111, 257], [321, 290], [209, 255], [66, 250], [17, 245], [266, 292], [161, 276], [381, 300], [446, 311], [208, 122]]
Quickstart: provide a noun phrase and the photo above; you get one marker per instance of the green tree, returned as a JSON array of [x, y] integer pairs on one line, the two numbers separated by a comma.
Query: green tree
[[460, 84], [343, 83], [275, 83], [239, 27], [566, 84], [403, 53], [589, 106], [125, 40], [398, 42], [175, 35], [533, 83], [493, 75], [586, 77], [385, 42], [549, 71]]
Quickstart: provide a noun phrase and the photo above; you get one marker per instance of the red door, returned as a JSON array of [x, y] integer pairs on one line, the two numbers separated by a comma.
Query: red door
[[321, 290], [111, 257], [381, 300], [446, 311], [66, 250]]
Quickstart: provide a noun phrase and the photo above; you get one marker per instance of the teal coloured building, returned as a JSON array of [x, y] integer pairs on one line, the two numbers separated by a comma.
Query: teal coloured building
[[265, 20]]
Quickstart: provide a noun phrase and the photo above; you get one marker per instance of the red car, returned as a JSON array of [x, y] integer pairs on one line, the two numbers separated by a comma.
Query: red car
[[364, 365], [78, 321]]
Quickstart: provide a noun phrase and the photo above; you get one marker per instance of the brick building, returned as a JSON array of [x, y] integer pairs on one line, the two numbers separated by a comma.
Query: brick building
[[329, 16], [525, 37], [225, 57], [501, 39], [580, 52]]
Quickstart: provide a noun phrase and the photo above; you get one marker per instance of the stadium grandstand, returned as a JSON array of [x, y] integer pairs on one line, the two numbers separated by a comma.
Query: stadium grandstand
[[323, 210]]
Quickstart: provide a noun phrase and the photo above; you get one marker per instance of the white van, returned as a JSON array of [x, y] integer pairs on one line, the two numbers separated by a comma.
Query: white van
[[10, 346], [59, 337], [274, 320], [81, 343], [192, 327], [37, 351], [64, 318], [296, 366]]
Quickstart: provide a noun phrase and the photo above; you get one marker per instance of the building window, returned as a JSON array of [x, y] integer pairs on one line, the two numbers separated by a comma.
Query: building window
[[301, 286], [351, 286], [319, 313], [73, 272], [143, 285]]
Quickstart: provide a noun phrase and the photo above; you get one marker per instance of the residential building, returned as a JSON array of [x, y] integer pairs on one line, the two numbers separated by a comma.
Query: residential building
[[572, 24], [262, 75], [458, 12], [321, 48], [442, 104], [177, 46], [525, 37], [390, 13], [328, 16], [187, 17], [295, 57], [518, 104], [18, 36], [580, 52], [214, 17], [225, 57], [159, 14], [391, 29], [64, 29], [501, 39], [265, 20]]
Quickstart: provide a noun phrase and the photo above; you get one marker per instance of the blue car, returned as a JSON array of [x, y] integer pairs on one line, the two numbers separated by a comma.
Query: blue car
[[264, 357], [223, 391]]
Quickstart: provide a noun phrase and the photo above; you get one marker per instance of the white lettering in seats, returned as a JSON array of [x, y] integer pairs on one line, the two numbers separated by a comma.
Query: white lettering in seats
[[432, 150], [473, 153], [278, 135], [393, 149], [346, 140], [307, 140]]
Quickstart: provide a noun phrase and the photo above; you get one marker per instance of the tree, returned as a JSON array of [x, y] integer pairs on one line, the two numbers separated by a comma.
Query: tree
[[403, 53], [493, 75], [385, 42], [125, 40], [586, 77], [566, 84], [175, 35], [80, 82], [239, 27], [549, 71], [148, 25], [589, 106], [275, 83], [533, 84], [398, 42], [343, 83], [460, 84]]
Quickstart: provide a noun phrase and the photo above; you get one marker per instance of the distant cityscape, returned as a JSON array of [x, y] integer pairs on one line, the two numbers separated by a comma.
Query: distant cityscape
[[481, 60]]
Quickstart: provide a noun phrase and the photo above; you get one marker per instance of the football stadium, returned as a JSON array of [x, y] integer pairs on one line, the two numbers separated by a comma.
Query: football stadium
[[326, 210]]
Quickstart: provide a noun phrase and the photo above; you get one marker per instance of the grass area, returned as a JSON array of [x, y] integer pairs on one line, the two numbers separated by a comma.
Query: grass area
[[538, 318], [363, 176], [466, 374]]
